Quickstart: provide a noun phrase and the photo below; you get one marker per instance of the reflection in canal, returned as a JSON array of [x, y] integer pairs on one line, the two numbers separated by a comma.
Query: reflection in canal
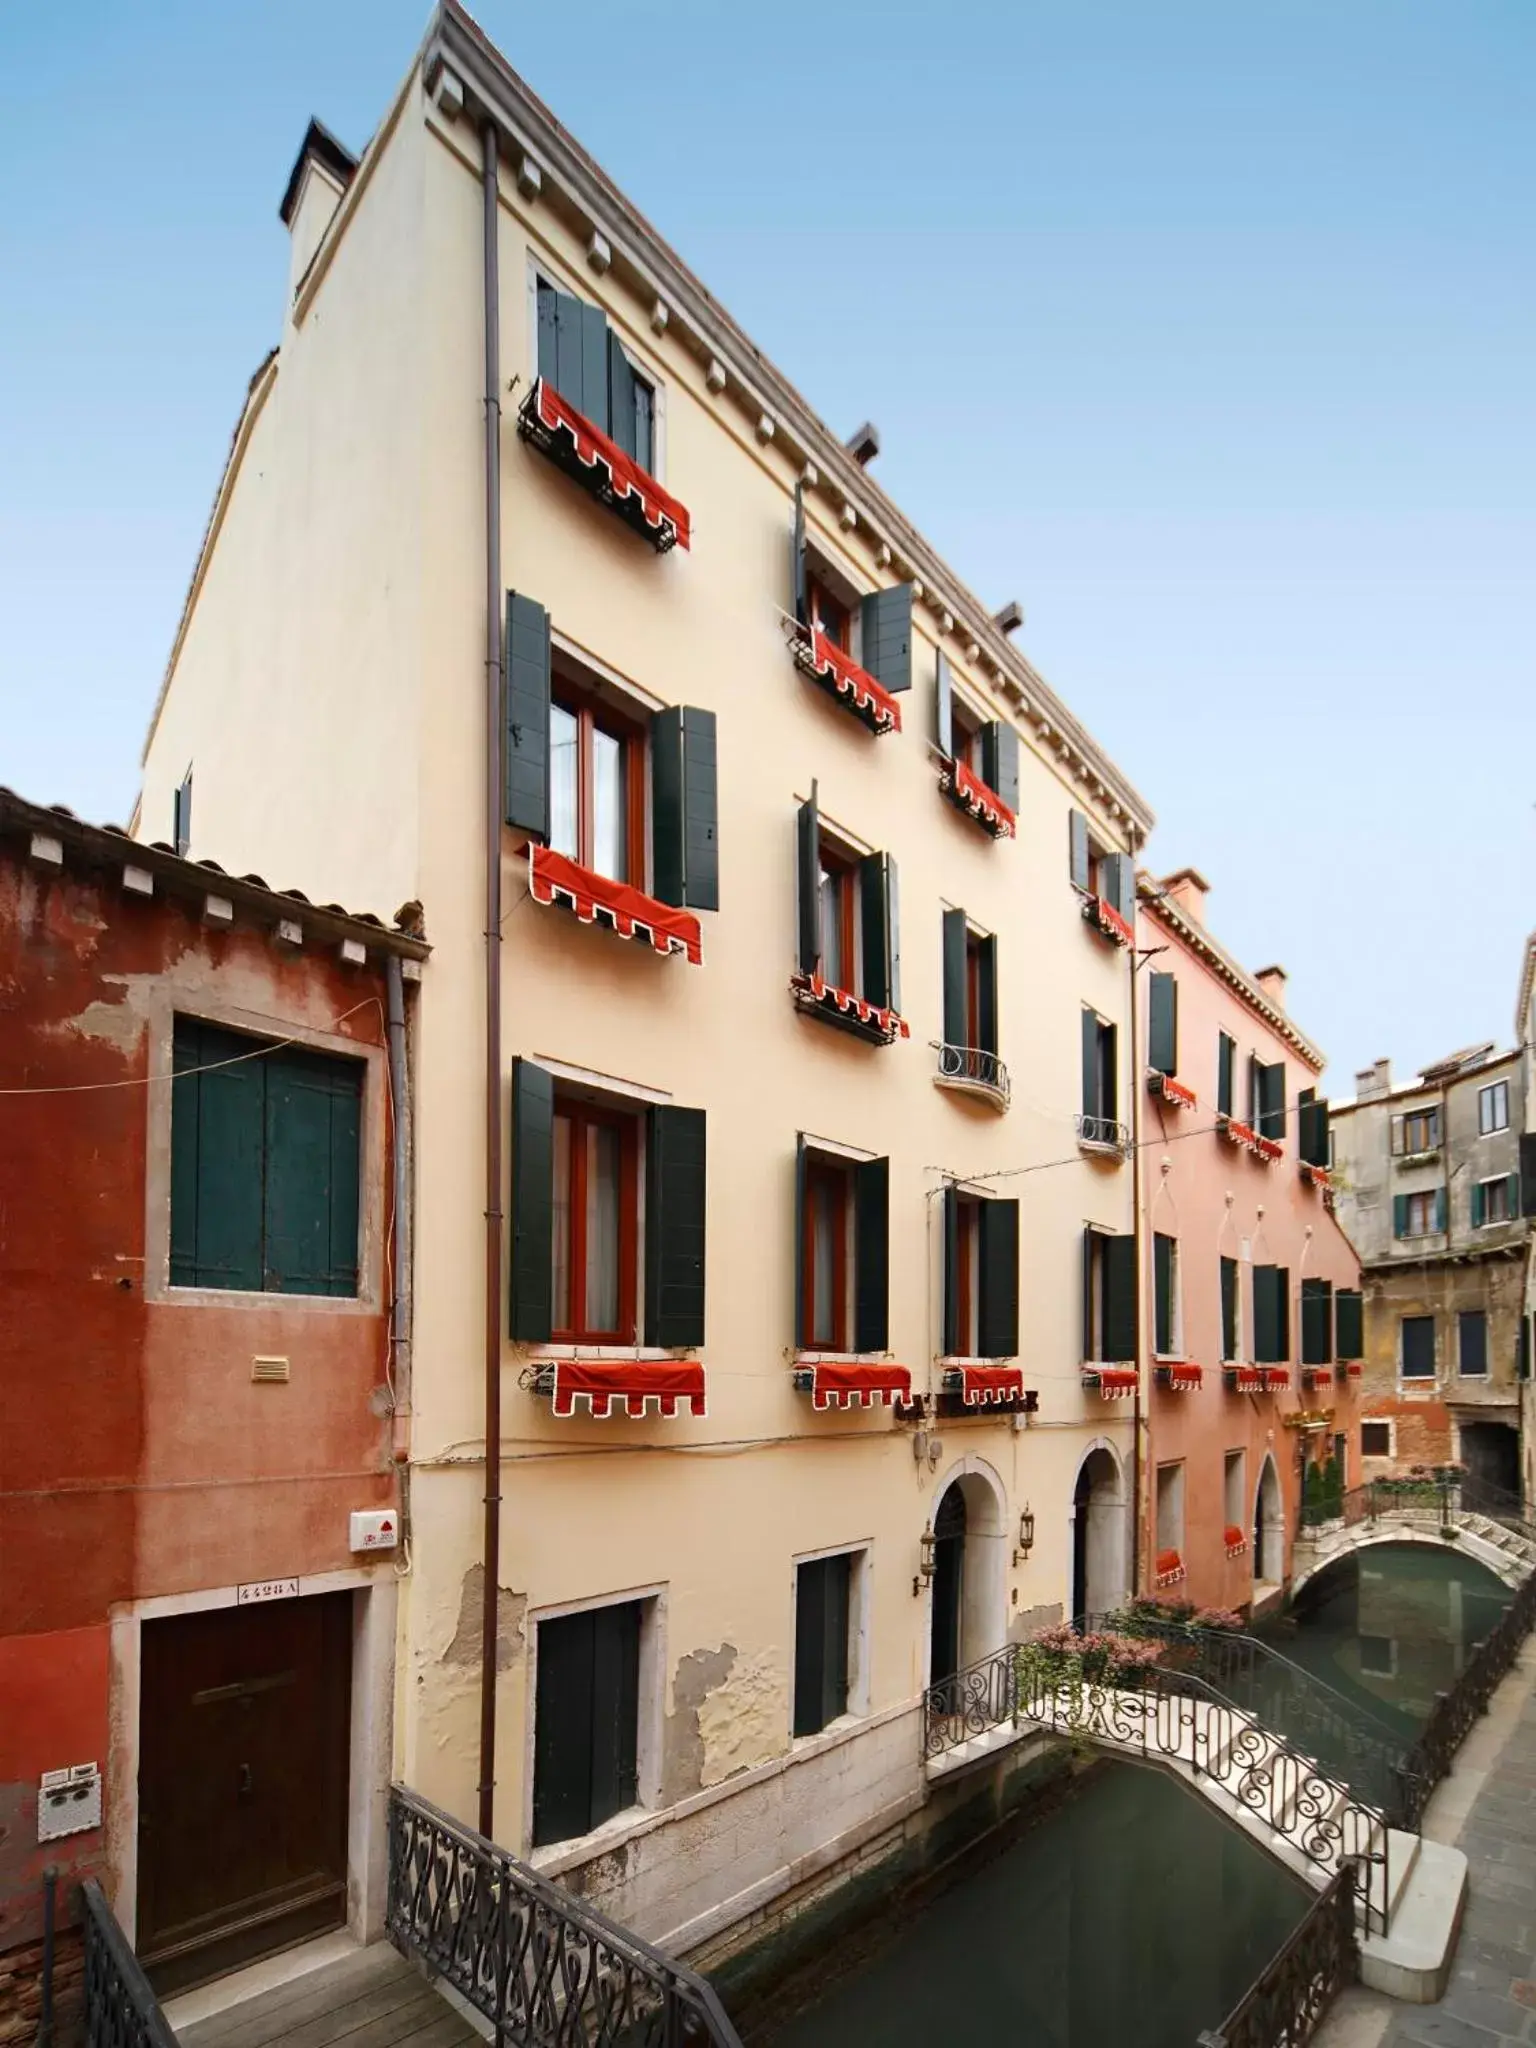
[[1130, 1914], [1392, 1626]]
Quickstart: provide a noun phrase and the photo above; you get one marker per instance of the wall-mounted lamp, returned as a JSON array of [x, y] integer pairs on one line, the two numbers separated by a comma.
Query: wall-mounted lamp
[[924, 1561], [1026, 1535]]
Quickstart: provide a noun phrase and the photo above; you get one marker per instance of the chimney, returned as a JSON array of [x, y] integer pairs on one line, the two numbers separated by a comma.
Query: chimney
[[1272, 980], [1374, 1081], [321, 173], [1187, 891], [864, 444]]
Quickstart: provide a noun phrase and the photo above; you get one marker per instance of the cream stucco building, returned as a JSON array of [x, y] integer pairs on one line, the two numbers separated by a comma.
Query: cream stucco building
[[766, 1110]]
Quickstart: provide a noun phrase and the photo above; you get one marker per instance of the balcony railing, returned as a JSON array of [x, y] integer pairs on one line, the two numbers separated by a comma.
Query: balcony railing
[[121, 2010], [969, 1070], [1103, 1133]]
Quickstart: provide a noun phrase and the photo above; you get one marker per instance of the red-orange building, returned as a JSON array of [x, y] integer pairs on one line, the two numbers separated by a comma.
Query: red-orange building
[[199, 1228], [1251, 1289]]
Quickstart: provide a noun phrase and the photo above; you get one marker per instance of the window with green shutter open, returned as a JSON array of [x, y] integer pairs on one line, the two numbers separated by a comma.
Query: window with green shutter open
[[266, 1153]]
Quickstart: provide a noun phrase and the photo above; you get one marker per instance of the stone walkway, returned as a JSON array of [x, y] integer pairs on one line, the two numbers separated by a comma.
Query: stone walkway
[[1486, 1808], [371, 1998]]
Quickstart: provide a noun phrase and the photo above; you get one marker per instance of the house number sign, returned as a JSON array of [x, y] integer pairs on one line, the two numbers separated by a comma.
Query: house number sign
[[266, 1589]]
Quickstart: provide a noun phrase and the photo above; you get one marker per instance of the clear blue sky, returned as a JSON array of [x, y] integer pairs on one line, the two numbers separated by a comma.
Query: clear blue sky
[[1205, 329]]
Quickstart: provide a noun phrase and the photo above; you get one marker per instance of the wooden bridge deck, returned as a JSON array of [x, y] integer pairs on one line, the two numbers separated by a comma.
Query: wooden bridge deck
[[370, 1999]]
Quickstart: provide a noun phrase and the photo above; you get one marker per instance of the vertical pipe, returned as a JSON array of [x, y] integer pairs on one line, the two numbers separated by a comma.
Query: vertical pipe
[[45, 2010], [1137, 1510], [493, 818], [400, 1230]]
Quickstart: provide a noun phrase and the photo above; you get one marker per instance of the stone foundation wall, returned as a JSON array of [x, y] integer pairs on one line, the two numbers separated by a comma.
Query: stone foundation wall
[[21, 1991]]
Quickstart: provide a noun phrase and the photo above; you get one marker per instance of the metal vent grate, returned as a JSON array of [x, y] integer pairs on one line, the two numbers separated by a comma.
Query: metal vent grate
[[269, 1369]]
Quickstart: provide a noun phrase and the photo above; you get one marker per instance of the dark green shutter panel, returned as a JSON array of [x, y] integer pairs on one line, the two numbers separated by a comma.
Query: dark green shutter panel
[[1316, 1322], [533, 1192], [1120, 1299], [1109, 1072], [1528, 1173], [217, 1142], [887, 637], [810, 1646], [1472, 1344], [1439, 1208], [668, 855], [873, 913], [1112, 880], [346, 1176], [526, 704], [1090, 1238], [871, 1242], [808, 868], [1479, 1205], [615, 1708], [1228, 1308], [594, 367], [944, 707], [181, 828], [313, 1135], [955, 1024], [1523, 1349], [1266, 1329], [1399, 1215], [1312, 1132], [621, 399], [953, 1339], [802, 1334], [1283, 1312], [1512, 1194], [1349, 1317], [1091, 1064], [549, 334], [1271, 1099], [834, 1664], [562, 1729], [684, 808], [1255, 1096], [1077, 842], [797, 559], [997, 1334], [986, 982], [1163, 1024], [1226, 1054], [1003, 762], [892, 936], [1162, 1294], [674, 1227]]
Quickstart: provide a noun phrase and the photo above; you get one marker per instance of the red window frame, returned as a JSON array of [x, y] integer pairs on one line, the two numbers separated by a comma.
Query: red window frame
[[831, 617], [583, 1116], [592, 716], [841, 872], [828, 1191]]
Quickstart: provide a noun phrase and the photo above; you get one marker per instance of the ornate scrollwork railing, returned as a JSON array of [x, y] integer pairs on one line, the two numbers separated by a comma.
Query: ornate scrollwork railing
[[970, 1066], [1104, 1131], [1287, 2001], [983, 1696], [121, 2010], [543, 1967], [1456, 1710]]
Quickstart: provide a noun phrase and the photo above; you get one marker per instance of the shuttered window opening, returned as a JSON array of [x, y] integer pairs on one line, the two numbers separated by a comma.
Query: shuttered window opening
[[1107, 881], [1098, 1120], [266, 1161], [1163, 1023], [1420, 1214], [848, 933], [578, 1199], [1226, 1068], [1313, 1142], [1415, 1132], [980, 757], [1349, 1324], [1416, 1347], [1166, 1334], [1317, 1314], [1231, 1312], [823, 1620], [1472, 1344], [1266, 1097], [981, 1276], [1271, 1315], [1495, 1201], [1109, 1296], [968, 1057], [586, 1720], [857, 648], [842, 1238]]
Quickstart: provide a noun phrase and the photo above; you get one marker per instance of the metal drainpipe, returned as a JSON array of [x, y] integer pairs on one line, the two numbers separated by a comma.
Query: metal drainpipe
[[1137, 1512], [400, 1231], [493, 818]]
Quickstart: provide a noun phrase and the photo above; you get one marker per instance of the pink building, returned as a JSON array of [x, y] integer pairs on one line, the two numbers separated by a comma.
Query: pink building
[[1252, 1291]]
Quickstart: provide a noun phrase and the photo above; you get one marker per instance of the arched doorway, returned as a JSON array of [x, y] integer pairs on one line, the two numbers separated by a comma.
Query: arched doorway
[[1099, 1578], [1268, 1527], [967, 1614]]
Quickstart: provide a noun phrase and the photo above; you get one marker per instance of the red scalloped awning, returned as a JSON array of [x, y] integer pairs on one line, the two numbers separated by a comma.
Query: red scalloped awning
[[1236, 1541], [671, 930], [1183, 1378], [628, 479], [1246, 1379], [856, 1385], [854, 683], [1317, 1372], [982, 1384], [1268, 1149], [1174, 1092], [1112, 1381], [1170, 1568], [627, 1386], [1238, 1133], [1351, 1369], [872, 1014], [1109, 921], [983, 803], [1276, 1378]]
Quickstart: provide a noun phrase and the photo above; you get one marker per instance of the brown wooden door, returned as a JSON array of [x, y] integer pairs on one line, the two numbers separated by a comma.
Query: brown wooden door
[[243, 1760]]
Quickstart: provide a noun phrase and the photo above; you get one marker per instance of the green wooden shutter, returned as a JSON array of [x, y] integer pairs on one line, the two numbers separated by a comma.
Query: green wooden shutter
[[669, 857], [954, 1337], [217, 1145], [549, 334], [1266, 1315], [1349, 1318], [1472, 1344], [1527, 1176], [871, 1240], [621, 399], [986, 982], [1229, 1329], [1117, 883], [1162, 1294], [1317, 1322], [1440, 1208], [887, 637], [873, 911], [1109, 1071], [1270, 1089], [525, 699], [808, 869], [1078, 863], [685, 808], [955, 1024], [1312, 1131], [1399, 1215], [944, 707], [1120, 1298], [892, 936], [1003, 761], [1163, 1024], [1091, 1106], [997, 1323], [533, 1191], [802, 1334], [1226, 1060], [313, 1151], [810, 1646], [674, 1227], [181, 829], [562, 1729], [1523, 1349], [1090, 1237], [615, 1708], [1512, 1194], [594, 368], [1479, 1204], [797, 559]]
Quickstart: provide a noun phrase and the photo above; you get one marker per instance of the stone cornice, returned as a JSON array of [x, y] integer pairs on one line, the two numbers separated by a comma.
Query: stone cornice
[[1200, 942], [550, 163]]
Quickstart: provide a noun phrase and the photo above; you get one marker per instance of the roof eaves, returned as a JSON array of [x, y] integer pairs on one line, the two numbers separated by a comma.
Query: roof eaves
[[1199, 941]]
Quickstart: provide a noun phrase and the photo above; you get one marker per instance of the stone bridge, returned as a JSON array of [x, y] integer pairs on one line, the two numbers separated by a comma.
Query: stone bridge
[[1506, 1550]]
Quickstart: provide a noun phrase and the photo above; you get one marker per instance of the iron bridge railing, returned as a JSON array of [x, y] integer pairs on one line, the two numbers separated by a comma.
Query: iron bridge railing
[[544, 1968], [1287, 2001], [121, 2011], [1452, 1716], [1427, 1499]]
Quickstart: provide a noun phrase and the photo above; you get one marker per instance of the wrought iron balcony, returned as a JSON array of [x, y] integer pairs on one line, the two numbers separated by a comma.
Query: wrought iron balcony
[[970, 1071], [1103, 1134]]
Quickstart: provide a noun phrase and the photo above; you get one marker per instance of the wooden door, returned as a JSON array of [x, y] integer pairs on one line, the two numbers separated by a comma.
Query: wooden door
[[243, 1765]]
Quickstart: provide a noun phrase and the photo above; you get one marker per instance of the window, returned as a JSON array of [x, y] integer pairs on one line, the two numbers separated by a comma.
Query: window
[[266, 1152], [1271, 1315], [1165, 1288], [824, 1615], [1170, 1507], [1495, 1201], [1317, 1322], [1416, 1131], [1266, 1097], [843, 1237], [1163, 1024], [1349, 1323], [586, 1720], [596, 1209], [970, 985], [1226, 1067], [828, 614], [1314, 1134], [839, 914], [1419, 1215], [847, 915], [1109, 1297], [1472, 1344], [1234, 1490], [981, 1276], [1376, 1440], [1418, 1348], [1378, 1656], [596, 786], [589, 367], [1493, 1108], [1089, 859], [1100, 1081], [1231, 1313]]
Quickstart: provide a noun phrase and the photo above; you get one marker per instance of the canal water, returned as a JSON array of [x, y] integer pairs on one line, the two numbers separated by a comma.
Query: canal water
[[1131, 1914]]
